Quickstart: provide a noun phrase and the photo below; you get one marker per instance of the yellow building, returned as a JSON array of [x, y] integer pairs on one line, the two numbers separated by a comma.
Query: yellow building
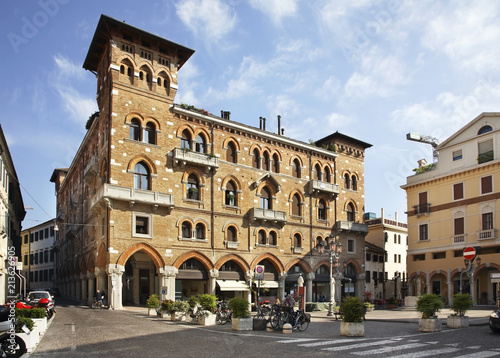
[[452, 204], [166, 198]]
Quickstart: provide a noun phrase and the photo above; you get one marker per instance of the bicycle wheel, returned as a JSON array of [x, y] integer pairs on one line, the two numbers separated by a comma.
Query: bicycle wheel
[[303, 320], [275, 320]]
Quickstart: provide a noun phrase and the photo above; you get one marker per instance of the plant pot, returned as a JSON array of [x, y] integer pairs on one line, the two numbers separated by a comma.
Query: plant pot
[[207, 320], [31, 340], [259, 324], [352, 329], [429, 325], [457, 321], [178, 316], [40, 324], [242, 324]]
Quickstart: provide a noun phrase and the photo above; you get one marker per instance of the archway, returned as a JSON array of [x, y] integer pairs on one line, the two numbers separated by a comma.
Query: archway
[[140, 279]]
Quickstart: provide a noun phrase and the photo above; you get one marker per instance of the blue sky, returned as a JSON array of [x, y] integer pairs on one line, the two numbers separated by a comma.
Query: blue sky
[[374, 70]]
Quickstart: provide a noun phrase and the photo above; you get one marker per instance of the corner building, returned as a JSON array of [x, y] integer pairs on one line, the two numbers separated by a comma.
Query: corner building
[[170, 199]]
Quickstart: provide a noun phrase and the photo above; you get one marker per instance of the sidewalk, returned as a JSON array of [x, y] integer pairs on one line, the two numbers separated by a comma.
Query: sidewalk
[[477, 317]]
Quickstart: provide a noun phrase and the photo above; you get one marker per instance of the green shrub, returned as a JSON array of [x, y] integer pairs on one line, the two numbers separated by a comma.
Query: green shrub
[[26, 321], [30, 312], [193, 300], [392, 301], [353, 309], [153, 301], [166, 305], [208, 302], [428, 305], [239, 307], [461, 304], [179, 306]]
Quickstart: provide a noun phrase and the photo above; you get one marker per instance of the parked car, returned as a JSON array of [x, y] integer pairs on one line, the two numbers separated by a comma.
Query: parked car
[[35, 296], [495, 321]]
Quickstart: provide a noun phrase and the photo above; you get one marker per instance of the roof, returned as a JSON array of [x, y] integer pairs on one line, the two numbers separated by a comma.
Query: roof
[[373, 247], [102, 35], [338, 135]]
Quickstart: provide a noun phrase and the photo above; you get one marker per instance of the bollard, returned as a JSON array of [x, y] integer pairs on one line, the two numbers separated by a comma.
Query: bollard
[[269, 327], [287, 328]]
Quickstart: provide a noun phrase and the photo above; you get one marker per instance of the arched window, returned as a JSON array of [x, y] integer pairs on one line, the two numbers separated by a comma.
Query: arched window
[[265, 199], [150, 133], [296, 205], [320, 244], [296, 168], [255, 159], [200, 144], [347, 181], [321, 210], [186, 230], [192, 187], [317, 169], [484, 129], [262, 237], [276, 163], [354, 183], [200, 231], [267, 162], [122, 69], [141, 176], [350, 212], [186, 139], [158, 81], [231, 194], [297, 240], [135, 129], [273, 240], [328, 176], [231, 153], [231, 234]]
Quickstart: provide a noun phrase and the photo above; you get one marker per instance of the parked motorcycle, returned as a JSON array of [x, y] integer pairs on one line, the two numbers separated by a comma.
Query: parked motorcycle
[[44, 303], [11, 345]]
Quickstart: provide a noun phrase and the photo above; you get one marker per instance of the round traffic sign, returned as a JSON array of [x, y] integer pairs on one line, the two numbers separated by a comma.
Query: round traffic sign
[[259, 269], [469, 253]]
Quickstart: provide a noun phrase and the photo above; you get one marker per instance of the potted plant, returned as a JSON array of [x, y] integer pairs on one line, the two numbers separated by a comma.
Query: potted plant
[[152, 303], [165, 308], [241, 320], [429, 305], [208, 305], [353, 311], [461, 304], [178, 310], [391, 303]]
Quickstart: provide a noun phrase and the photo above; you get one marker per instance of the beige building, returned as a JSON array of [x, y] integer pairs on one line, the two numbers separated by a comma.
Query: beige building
[[166, 198], [452, 204]]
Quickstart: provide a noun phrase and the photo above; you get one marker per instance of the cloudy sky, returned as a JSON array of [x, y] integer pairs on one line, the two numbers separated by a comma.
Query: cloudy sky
[[374, 70]]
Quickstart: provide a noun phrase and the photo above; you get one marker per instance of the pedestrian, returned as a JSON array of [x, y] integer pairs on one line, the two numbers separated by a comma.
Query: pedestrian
[[98, 296], [103, 296]]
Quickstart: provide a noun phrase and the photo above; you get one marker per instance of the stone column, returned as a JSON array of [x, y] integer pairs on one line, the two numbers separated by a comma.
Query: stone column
[[115, 285], [309, 286], [167, 276], [450, 286], [78, 287], [84, 293], [212, 281], [428, 282], [91, 287], [281, 288], [248, 277]]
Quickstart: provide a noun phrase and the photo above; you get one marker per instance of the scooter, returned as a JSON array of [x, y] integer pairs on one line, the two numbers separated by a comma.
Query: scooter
[[11, 345]]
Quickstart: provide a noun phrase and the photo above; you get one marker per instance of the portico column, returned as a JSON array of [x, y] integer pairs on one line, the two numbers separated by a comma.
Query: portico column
[[83, 281], [450, 286], [78, 287], [281, 288], [428, 282], [91, 287], [309, 285], [248, 278], [212, 281], [115, 275], [167, 275]]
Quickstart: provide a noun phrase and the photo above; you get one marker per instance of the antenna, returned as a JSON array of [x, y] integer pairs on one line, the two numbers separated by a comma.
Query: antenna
[[415, 137]]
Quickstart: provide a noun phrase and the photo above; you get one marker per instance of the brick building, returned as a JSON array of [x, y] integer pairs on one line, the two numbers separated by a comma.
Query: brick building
[[167, 198]]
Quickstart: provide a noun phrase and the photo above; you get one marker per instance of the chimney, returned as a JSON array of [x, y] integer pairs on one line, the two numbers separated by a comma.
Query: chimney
[[225, 115], [260, 122], [279, 124], [263, 123]]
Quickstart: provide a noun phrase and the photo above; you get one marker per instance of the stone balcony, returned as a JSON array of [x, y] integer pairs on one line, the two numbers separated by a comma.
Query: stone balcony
[[91, 169], [351, 226], [323, 187], [486, 234], [182, 157], [276, 217], [422, 209], [108, 193]]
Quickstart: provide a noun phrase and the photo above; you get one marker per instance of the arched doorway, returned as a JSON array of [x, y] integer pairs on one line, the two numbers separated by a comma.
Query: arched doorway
[[321, 284], [191, 280], [231, 281], [270, 282], [140, 279]]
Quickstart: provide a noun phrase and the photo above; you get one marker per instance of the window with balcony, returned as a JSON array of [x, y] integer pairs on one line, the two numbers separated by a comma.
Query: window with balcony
[[317, 171], [487, 184], [328, 175], [458, 191], [141, 176], [201, 146], [321, 210], [231, 152], [350, 212], [192, 188], [265, 199], [186, 139], [423, 233], [487, 221], [485, 151]]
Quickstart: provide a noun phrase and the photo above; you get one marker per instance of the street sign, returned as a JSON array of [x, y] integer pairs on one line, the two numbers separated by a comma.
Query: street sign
[[259, 272], [469, 253]]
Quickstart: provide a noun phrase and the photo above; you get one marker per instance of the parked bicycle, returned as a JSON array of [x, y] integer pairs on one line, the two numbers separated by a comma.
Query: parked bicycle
[[195, 312], [97, 303], [281, 315], [264, 310], [222, 312]]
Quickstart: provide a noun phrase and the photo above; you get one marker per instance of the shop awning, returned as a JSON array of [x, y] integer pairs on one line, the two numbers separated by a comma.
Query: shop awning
[[270, 284], [232, 285]]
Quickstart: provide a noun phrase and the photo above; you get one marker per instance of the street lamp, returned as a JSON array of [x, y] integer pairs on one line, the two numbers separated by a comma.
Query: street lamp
[[470, 268], [397, 275], [335, 248]]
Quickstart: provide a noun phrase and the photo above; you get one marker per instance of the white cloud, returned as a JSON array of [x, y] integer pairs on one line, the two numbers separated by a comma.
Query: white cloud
[[66, 68], [79, 107], [210, 19], [277, 10]]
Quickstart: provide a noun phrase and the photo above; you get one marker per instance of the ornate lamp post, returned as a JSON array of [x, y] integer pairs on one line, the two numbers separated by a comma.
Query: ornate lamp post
[[335, 248], [470, 269]]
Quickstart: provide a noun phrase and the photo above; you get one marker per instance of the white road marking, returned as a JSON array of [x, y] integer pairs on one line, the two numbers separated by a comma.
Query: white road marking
[[357, 346]]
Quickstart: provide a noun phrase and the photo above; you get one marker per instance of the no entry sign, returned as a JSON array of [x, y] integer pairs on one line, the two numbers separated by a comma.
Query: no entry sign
[[469, 253]]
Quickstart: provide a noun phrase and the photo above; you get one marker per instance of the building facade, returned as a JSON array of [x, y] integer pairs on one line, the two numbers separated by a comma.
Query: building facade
[[454, 204], [12, 214], [38, 256], [392, 236], [167, 198]]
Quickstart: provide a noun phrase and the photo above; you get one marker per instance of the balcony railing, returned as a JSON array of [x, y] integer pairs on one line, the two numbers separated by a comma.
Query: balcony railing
[[278, 217], [351, 226], [422, 209], [90, 170], [485, 157], [232, 244], [109, 192], [486, 234], [458, 239], [322, 186], [184, 156]]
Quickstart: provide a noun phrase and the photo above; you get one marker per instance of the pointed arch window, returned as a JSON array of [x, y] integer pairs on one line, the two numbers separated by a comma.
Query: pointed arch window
[[317, 169], [296, 205], [255, 159], [320, 244], [135, 129], [296, 168], [297, 240], [347, 181], [350, 212], [192, 187], [262, 237], [200, 231], [186, 230], [201, 144], [231, 153], [186, 139], [328, 176], [265, 199], [276, 163], [150, 133], [141, 176], [231, 198], [267, 162], [321, 210], [231, 234], [273, 239], [354, 183]]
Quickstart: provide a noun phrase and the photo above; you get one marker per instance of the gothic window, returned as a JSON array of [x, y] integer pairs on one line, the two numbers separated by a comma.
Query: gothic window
[[296, 168], [200, 231], [150, 133], [297, 240], [231, 153], [317, 170], [276, 164], [231, 234], [255, 159], [267, 162], [186, 139], [141, 176], [135, 129], [231, 194], [296, 205], [262, 237], [186, 230], [350, 212], [265, 199], [354, 183], [192, 188], [347, 181], [273, 238], [200, 144], [328, 176], [322, 210]]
